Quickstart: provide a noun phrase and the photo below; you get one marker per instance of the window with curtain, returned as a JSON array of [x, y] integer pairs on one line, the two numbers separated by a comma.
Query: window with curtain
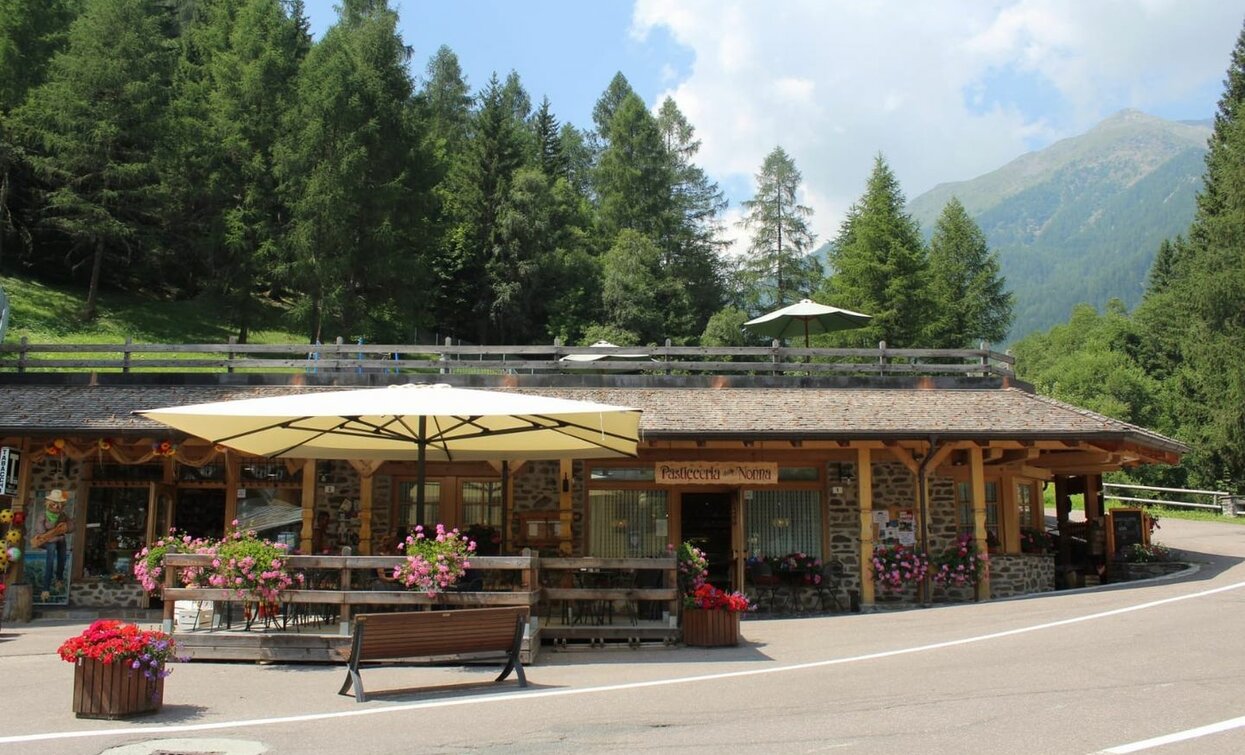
[[627, 523], [406, 504], [964, 492], [779, 522]]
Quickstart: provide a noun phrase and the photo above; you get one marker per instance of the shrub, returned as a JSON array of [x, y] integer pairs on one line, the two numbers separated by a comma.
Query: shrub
[[895, 566], [1139, 553]]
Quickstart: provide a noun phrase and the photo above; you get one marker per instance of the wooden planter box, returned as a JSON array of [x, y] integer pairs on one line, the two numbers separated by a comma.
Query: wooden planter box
[[702, 628], [113, 690]]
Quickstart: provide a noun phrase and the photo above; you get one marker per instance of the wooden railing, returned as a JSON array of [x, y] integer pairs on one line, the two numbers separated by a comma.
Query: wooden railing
[[339, 358], [507, 581]]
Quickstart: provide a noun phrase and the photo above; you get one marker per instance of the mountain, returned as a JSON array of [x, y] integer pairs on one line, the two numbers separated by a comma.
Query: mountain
[[1081, 220]]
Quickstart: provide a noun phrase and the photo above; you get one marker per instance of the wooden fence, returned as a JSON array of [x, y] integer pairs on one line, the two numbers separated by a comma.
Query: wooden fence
[[339, 358]]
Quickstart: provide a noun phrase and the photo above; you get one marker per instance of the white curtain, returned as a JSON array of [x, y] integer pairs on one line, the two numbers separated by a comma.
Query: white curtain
[[779, 522], [627, 523]]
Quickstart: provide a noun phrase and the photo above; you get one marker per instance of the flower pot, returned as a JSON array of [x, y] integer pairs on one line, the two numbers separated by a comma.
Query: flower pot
[[113, 690], [710, 628]]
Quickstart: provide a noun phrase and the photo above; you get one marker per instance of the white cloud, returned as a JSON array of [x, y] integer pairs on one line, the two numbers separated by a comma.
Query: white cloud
[[945, 90]]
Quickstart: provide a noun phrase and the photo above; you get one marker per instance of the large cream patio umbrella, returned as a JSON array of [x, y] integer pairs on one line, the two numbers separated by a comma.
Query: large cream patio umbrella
[[412, 422]]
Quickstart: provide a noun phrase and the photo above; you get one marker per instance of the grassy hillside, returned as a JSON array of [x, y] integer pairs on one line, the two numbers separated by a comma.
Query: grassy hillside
[[51, 314]]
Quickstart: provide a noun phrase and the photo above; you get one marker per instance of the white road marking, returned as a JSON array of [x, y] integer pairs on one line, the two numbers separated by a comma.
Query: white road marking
[[1180, 736], [162, 730]]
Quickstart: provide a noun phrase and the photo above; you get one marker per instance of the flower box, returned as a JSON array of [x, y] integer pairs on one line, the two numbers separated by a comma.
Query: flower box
[[710, 627], [114, 690]]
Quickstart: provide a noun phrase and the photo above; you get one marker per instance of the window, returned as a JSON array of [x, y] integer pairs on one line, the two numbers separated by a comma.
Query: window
[[779, 522], [623, 474], [116, 528], [406, 504], [964, 494], [1024, 504], [627, 523], [481, 504]]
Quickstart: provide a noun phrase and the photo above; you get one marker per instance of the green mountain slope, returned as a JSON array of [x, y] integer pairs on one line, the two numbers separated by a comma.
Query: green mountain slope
[[1081, 220]]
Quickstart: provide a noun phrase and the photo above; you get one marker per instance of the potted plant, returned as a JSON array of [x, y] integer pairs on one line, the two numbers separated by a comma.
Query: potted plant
[[961, 564], [119, 669], [434, 564], [253, 568], [149, 562], [711, 616], [896, 566]]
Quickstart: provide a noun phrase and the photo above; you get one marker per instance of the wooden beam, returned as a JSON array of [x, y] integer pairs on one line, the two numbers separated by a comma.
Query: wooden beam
[[366, 467], [978, 486], [864, 490], [905, 457], [310, 484]]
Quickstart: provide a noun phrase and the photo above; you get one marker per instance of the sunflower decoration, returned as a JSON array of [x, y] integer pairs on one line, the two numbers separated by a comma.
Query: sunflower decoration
[[56, 448], [164, 448], [104, 444]]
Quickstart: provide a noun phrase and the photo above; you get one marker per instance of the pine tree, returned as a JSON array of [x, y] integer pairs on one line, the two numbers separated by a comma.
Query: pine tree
[[548, 139], [970, 303], [236, 76], [607, 105], [879, 265], [447, 101], [1191, 316], [778, 270], [91, 130], [348, 170]]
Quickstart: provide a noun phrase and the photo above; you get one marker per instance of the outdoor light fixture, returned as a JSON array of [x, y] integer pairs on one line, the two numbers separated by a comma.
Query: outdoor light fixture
[[566, 483], [781, 522]]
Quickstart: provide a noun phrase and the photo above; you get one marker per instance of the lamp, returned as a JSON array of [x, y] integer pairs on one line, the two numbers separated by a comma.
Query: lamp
[[781, 522]]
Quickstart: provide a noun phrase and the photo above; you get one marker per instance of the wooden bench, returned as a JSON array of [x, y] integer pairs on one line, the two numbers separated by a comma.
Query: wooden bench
[[428, 637]]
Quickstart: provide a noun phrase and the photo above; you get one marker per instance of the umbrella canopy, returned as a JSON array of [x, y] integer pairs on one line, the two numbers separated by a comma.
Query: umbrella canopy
[[436, 422], [806, 316], [418, 422], [597, 357]]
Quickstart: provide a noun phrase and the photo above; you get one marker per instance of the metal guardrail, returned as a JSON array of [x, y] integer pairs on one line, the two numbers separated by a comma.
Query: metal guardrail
[[1218, 500], [343, 357]]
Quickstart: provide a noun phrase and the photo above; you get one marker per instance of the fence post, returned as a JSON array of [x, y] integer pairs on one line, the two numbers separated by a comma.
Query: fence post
[[125, 357], [773, 357], [882, 357], [985, 359], [233, 341], [22, 355], [445, 354]]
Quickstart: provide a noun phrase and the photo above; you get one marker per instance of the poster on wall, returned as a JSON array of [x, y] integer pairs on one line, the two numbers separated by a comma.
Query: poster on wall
[[48, 558]]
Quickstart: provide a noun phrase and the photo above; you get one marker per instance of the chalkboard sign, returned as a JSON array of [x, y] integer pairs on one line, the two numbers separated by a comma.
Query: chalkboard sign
[[1127, 528]]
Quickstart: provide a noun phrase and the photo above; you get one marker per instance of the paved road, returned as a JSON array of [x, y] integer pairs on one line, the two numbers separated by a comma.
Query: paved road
[[1079, 672]]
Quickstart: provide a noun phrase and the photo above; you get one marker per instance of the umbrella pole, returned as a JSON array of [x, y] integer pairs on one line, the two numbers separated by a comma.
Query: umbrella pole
[[422, 463]]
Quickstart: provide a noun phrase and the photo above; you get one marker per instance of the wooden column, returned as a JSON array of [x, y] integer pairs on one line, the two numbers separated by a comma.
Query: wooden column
[[1094, 508], [365, 513], [232, 472], [19, 504], [1063, 507], [864, 478], [566, 504], [310, 483], [1009, 515], [978, 472]]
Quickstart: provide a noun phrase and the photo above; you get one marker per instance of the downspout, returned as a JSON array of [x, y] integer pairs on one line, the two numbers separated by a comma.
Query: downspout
[[923, 511]]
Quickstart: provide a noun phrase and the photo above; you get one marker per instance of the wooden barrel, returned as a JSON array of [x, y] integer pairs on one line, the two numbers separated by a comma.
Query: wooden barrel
[[18, 607]]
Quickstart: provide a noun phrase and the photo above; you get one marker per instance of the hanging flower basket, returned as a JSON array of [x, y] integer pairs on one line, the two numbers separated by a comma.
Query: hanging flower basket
[[707, 628]]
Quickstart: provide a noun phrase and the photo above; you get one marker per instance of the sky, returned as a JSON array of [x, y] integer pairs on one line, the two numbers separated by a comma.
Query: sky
[[945, 90]]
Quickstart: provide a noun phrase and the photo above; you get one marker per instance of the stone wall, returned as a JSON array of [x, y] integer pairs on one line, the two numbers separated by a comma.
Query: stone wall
[[537, 486], [102, 593], [1021, 574]]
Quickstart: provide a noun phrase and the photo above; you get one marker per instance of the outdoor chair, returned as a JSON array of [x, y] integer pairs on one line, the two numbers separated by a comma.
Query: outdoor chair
[[831, 583], [766, 583]]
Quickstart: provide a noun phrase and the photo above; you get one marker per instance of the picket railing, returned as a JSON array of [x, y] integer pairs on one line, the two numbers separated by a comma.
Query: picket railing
[[342, 357]]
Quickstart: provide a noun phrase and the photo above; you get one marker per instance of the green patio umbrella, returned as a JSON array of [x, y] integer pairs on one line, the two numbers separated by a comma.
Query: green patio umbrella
[[806, 316]]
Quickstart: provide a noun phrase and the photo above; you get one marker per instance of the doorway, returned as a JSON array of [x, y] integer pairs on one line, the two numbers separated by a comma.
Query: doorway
[[706, 521]]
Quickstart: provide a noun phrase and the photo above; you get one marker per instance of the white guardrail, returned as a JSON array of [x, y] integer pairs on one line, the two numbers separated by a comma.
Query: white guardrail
[[1219, 500]]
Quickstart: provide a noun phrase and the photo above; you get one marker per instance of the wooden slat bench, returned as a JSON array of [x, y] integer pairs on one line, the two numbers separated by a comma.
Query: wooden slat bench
[[426, 637]]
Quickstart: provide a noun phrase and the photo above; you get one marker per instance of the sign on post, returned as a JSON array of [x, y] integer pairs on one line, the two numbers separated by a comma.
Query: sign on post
[[10, 460]]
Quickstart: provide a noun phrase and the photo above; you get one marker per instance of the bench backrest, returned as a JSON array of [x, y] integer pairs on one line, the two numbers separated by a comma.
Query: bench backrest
[[418, 633]]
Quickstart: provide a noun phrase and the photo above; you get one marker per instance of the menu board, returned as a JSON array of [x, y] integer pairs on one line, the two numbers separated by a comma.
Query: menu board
[[1127, 528]]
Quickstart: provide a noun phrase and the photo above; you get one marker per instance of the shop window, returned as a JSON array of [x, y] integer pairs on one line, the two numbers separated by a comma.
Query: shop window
[[627, 523], [779, 522], [116, 528], [275, 514], [127, 472], [964, 497], [798, 474], [481, 504]]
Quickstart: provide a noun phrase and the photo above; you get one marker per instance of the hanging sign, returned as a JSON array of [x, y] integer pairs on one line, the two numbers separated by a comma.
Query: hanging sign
[[716, 473], [9, 460]]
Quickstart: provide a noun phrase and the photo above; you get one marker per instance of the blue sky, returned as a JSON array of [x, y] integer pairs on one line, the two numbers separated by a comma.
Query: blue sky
[[945, 89]]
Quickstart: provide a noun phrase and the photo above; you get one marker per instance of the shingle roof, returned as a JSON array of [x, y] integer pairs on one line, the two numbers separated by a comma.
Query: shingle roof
[[685, 412]]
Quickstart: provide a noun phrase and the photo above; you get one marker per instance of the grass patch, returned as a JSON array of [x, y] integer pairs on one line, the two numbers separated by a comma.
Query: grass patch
[[46, 313]]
